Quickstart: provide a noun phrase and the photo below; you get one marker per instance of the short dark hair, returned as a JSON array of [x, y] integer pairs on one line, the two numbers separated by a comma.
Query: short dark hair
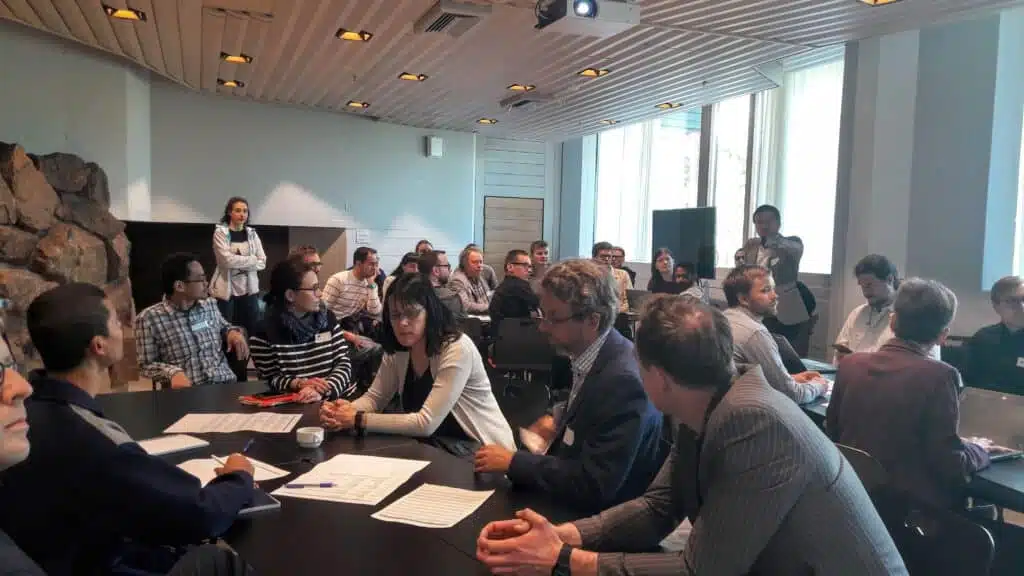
[[175, 269], [600, 247], [421, 243], [769, 209], [428, 260], [362, 253], [654, 261], [1004, 287], [406, 259], [923, 309], [537, 245], [226, 218], [878, 266], [689, 340], [619, 249], [302, 250], [740, 281], [63, 321], [416, 290], [513, 254], [286, 275]]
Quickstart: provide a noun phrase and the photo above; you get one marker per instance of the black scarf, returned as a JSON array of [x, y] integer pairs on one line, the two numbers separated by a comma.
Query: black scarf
[[301, 330]]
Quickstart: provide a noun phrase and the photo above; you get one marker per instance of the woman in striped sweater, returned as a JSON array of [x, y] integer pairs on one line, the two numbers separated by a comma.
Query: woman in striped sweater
[[299, 346]]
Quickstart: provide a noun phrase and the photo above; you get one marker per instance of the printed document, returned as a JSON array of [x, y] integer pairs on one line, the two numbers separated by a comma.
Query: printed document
[[433, 506], [356, 479], [204, 469], [267, 422]]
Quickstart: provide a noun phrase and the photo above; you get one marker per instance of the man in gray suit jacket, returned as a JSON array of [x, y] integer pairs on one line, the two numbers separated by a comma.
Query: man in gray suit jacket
[[766, 491]]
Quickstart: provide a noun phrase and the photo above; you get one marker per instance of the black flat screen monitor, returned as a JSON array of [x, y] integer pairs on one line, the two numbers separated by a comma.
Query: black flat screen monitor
[[690, 234]]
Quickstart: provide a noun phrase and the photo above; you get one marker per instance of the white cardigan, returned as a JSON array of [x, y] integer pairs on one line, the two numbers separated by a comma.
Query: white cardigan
[[461, 387], [220, 285]]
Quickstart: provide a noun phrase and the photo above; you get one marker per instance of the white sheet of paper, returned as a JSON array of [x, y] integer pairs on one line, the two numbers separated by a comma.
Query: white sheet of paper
[[170, 444], [265, 422], [204, 469], [357, 479], [434, 506]]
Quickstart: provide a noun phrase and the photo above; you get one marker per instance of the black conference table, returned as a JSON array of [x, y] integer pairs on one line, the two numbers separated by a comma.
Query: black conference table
[[313, 537], [993, 415]]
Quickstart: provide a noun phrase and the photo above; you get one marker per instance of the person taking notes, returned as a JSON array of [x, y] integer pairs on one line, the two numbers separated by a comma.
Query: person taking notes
[[88, 497]]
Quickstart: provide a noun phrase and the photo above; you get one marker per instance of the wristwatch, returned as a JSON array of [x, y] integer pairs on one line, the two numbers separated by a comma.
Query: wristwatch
[[562, 565]]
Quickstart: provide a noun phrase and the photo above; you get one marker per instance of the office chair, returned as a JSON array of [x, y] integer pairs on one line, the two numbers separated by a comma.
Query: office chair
[[521, 348]]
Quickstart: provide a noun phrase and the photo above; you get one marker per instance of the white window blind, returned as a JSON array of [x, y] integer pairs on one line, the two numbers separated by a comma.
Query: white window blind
[[727, 187]]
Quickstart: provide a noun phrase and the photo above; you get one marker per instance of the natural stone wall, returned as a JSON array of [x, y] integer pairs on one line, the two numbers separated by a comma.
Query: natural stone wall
[[56, 227]]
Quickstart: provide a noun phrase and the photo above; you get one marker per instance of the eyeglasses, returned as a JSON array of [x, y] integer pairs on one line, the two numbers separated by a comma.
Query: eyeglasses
[[315, 288], [410, 313], [525, 264], [551, 320], [448, 266], [317, 264], [604, 257], [200, 280]]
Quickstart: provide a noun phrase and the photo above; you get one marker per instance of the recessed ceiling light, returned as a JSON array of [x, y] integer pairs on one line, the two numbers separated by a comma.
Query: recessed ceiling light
[[357, 104], [487, 121], [353, 36], [608, 122], [668, 105], [520, 87], [124, 13], [412, 77], [230, 83], [878, 2], [593, 72], [236, 58]]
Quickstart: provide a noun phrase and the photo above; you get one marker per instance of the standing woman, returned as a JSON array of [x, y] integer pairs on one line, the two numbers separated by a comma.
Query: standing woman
[[239, 254], [299, 345]]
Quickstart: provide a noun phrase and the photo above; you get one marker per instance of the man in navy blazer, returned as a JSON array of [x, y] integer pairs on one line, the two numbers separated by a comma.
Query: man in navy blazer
[[603, 446]]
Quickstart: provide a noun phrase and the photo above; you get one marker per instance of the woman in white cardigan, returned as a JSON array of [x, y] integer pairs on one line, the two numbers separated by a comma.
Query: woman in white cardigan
[[437, 373], [239, 254]]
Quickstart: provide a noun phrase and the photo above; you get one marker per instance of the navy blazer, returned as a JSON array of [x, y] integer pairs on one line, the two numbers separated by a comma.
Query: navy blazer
[[607, 444]]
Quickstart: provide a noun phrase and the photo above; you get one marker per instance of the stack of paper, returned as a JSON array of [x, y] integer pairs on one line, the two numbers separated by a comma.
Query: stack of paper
[[204, 469], [355, 479], [268, 422], [433, 506], [171, 444]]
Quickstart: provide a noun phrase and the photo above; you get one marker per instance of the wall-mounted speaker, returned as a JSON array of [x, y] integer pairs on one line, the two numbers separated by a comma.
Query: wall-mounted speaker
[[435, 146]]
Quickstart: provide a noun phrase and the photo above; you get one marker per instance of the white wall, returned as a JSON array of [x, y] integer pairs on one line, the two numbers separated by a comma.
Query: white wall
[[309, 168]]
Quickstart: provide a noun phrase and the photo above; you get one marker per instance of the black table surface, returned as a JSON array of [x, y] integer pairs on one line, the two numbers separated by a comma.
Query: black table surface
[[993, 415], [313, 537]]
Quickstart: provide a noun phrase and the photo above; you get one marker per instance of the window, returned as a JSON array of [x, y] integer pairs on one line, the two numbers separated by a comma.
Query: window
[[727, 186], [1018, 228], [808, 112], [641, 168]]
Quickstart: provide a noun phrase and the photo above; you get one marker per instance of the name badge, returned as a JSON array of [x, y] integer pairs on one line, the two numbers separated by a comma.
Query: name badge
[[569, 436], [1020, 362], [323, 337], [200, 325]]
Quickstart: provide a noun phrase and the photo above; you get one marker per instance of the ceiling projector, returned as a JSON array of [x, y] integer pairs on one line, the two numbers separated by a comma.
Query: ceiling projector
[[600, 18]]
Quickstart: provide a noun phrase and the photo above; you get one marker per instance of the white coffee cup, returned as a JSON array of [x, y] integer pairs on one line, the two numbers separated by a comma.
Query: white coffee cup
[[310, 436]]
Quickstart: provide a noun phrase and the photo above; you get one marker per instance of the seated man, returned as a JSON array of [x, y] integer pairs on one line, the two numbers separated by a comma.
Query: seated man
[[603, 445], [765, 490], [352, 294], [750, 292], [180, 340], [514, 298], [88, 495], [619, 263], [487, 273], [434, 265], [903, 407], [685, 275], [309, 255], [995, 354], [603, 254], [469, 283]]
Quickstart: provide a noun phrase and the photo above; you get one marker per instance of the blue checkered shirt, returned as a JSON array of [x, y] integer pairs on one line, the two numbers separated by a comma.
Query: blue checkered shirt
[[170, 340]]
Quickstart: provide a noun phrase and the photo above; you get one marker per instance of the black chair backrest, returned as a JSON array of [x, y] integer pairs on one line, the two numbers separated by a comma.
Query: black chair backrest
[[521, 346], [472, 327], [790, 359], [934, 541], [870, 471]]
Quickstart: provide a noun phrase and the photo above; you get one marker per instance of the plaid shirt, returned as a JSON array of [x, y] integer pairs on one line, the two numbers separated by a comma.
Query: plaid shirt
[[170, 340], [582, 364]]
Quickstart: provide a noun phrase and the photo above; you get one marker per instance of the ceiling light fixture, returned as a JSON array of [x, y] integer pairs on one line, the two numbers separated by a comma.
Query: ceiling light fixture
[[412, 77], [879, 2], [357, 104], [668, 105], [230, 83], [520, 87], [593, 72], [487, 121], [124, 13], [608, 122], [584, 8], [353, 36], [236, 58]]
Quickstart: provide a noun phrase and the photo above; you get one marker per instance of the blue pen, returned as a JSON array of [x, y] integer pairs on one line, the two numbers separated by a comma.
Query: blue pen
[[248, 445], [314, 485]]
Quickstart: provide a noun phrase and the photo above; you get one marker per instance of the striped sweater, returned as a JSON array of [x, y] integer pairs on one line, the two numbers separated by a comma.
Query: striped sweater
[[281, 357]]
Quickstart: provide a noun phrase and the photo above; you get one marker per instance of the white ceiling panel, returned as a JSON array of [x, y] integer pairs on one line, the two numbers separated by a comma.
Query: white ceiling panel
[[693, 52]]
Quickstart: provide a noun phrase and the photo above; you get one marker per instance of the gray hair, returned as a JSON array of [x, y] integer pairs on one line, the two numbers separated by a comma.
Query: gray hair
[[689, 340], [923, 308], [587, 287]]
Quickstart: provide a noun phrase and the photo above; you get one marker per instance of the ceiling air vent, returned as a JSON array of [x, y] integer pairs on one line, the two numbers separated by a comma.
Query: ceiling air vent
[[524, 101], [451, 18]]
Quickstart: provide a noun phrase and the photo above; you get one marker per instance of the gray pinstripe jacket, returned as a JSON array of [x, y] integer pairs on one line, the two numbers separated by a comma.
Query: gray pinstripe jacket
[[769, 495]]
